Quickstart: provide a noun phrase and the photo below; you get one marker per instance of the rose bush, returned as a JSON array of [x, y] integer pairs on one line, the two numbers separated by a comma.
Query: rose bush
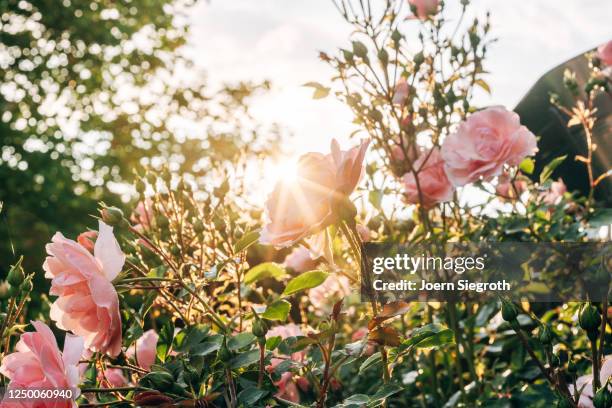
[[198, 297]]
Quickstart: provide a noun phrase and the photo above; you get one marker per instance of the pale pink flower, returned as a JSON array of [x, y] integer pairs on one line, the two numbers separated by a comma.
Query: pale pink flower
[[287, 385], [38, 363], [360, 334], [324, 296], [424, 8], [143, 214], [303, 207], [604, 53], [401, 92], [433, 182], [300, 260], [364, 233], [586, 384], [287, 388], [483, 143], [87, 303], [145, 349], [112, 378], [554, 194], [88, 239], [509, 190]]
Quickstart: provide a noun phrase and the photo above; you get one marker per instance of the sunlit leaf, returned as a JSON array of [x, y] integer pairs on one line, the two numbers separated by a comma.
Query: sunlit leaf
[[262, 271], [306, 280], [278, 310]]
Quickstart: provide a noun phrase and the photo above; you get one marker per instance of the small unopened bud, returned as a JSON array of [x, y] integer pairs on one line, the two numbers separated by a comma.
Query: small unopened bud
[[198, 227], [16, 274], [140, 186], [112, 216], [418, 59], [589, 318], [509, 311], [359, 49], [260, 328]]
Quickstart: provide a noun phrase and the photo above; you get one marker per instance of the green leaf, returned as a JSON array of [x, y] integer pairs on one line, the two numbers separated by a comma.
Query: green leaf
[[264, 270], [246, 241], [430, 335], [527, 165], [548, 170], [602, 217], [245, 359], [383, 393], [307, 280], [273, 342], [371, 361], [320, 91], [278, 310], [483, 85], [251, 395], [240, 341]]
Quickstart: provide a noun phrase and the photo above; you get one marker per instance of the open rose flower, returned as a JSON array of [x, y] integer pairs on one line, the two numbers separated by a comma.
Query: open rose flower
[[432, 181], [604, 53], [303, 207], [510, 190], [87, 303], [145, 349], [554, 194], [424, 8], [300, 260], [324, 296], [38, 363], [484, 143], [586, 384]]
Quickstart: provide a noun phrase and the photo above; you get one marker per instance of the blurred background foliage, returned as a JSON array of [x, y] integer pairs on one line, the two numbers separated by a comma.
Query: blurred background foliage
[[94, 91]]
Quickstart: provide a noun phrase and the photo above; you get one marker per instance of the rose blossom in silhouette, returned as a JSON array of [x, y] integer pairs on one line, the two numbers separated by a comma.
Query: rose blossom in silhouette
[[299, 208]]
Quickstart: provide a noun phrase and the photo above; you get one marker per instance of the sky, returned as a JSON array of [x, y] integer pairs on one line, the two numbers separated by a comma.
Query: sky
[[279, 40]]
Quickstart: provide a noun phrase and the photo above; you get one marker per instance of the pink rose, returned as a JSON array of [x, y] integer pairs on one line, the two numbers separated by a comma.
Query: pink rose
[[299, 260], [424, 8], [143, 214], [304, 207], [38, 363], [287, 388], [604, 53], [288, 385], [364, 233], [145, 349], [88, 239], [432, 181], [555, 194], [324, 296], [586, 381], [87, 303], [508, 190], [112, 378], [401, 92], [484, 143], [285, 331]]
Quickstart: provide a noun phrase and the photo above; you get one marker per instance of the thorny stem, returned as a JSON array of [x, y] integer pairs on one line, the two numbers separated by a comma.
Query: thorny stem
[[545, 372], [357, 246], [326, 375], [262, 355]]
